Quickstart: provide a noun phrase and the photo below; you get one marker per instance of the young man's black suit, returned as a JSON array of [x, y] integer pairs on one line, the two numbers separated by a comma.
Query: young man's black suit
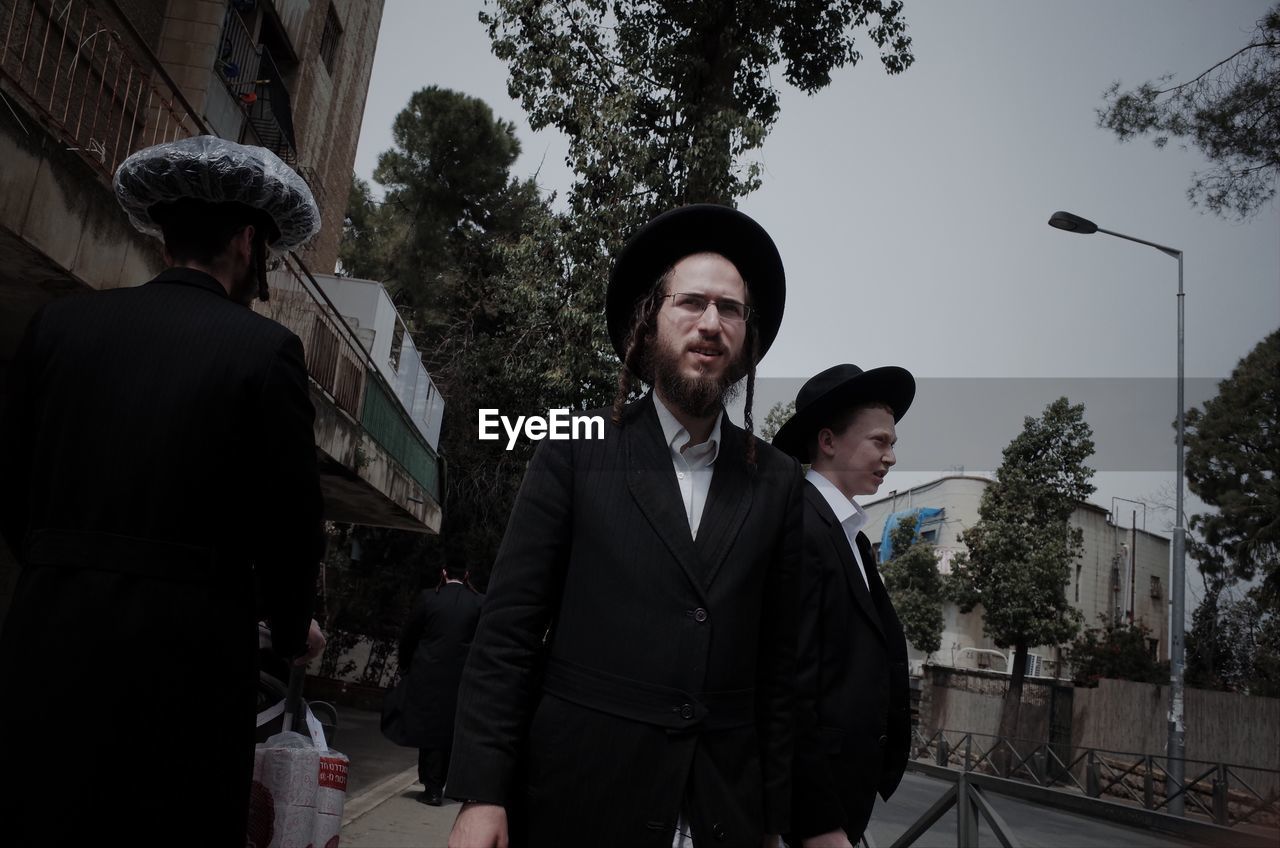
[[853, 682], [668, 677]]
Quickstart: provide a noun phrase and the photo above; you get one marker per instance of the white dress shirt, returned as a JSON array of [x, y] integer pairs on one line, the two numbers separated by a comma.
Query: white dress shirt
[[693, 463], [851, 516]]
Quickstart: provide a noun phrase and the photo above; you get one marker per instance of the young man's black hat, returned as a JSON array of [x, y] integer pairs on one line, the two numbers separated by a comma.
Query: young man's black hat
[[837, 388]]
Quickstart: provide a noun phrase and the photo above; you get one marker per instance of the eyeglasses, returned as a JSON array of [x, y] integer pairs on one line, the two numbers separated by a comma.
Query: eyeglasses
[[693, 305]]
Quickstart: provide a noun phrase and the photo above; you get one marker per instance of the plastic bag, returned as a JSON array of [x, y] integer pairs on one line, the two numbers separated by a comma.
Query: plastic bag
[[299, 789]]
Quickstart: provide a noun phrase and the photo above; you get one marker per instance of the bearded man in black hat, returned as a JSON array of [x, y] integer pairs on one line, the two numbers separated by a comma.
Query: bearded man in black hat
[[159, 462], [631, 682], [854, 715]]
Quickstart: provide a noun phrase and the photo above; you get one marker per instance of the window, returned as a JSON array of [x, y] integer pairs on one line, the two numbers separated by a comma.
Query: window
[[1155, 586], [1153, 648], [329, 40], [930, 536]]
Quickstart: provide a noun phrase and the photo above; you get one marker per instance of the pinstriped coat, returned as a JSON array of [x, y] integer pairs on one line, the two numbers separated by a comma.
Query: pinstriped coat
[[669, 669], [158, 456], [855, 720]]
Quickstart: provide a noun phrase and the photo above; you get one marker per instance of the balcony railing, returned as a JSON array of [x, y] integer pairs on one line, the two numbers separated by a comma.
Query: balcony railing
[[83, 72], [342, 368], [255, 82]]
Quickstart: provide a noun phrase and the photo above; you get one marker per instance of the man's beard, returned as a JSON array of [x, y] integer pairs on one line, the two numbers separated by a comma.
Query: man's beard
[[701, 396]]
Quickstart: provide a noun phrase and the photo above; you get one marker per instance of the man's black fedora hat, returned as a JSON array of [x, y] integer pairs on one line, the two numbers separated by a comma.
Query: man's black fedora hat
[[837, 388], [700, 228]]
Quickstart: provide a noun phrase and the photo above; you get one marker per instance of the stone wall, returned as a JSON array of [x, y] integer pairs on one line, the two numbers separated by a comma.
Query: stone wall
[[1116, 715]]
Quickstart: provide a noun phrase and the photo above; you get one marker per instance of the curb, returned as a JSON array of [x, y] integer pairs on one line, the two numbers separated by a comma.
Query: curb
[[374, 796]]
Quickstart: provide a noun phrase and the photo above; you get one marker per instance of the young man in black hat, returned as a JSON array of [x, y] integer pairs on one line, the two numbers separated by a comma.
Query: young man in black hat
[[632, 678], [854, 720]]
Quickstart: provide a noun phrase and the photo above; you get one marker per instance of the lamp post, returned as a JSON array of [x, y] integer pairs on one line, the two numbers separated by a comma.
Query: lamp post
[[1177, 731]]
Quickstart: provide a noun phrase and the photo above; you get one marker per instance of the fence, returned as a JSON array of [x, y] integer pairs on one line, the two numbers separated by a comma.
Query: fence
[[82, 69], [968, 790], [1224, 793], [251, 75], [335, 359]]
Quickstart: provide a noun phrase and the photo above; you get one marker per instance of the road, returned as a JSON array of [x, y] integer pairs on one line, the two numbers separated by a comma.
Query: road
[[1032, 826]]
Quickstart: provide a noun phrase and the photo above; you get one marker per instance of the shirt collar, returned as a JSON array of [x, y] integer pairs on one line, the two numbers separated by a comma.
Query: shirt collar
[[848, 512], [678, 437]]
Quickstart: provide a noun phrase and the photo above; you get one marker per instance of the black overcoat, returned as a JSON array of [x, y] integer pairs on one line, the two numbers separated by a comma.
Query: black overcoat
[[855, 720], [668, 672], [433, 650], [158, 455]]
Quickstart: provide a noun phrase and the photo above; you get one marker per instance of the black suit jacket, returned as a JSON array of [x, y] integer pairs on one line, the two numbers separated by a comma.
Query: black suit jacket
[[668, 673], [433, 652], [158, 455], [855, 722]]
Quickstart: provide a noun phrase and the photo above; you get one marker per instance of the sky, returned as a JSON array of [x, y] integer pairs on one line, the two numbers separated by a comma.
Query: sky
[[910, 212]]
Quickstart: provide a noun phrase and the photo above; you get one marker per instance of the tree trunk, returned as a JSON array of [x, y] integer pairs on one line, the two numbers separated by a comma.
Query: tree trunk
[[711, 91], [1010, 709]]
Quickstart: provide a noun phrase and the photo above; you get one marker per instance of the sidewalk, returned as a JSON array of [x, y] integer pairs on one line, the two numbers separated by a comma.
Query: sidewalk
[[391, 816], [373, 757], [382, 808]]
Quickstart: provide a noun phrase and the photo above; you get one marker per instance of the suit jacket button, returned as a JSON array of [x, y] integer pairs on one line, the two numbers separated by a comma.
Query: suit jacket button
[[686, 711], [718, 831], [884, 740], [699, 615]]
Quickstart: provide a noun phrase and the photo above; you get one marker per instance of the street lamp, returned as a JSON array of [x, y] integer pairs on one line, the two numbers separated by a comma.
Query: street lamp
[[1177, 731]]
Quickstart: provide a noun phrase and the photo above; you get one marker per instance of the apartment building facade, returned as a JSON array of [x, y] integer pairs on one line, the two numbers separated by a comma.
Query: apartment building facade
[[1120, 575]]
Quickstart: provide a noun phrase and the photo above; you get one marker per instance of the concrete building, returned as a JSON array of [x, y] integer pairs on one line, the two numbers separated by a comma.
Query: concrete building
[[84, 83], [1120, 575]]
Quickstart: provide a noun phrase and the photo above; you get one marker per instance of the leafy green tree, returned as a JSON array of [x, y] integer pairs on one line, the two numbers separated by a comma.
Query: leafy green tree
[[911, 577], [371, 576], [1234, 642], [1266, 658], [361, 251], [1116, 650], [1233, 453], [777, 416], [1020, 551], [475, 262], [1229, 112], [661, 99], [1233, 449]]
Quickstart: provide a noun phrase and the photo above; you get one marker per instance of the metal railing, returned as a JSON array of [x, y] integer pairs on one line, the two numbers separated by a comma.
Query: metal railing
[[255, 82], [75, 64], [968, 791], [342, 368], [335, 359], [1224, 793]]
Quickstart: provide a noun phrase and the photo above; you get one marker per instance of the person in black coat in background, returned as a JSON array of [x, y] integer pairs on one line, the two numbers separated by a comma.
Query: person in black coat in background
[[854, 715], [159, 487], [433, 651]]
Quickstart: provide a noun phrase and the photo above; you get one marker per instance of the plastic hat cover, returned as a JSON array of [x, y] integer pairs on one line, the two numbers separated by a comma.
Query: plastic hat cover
[[215, 170]]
